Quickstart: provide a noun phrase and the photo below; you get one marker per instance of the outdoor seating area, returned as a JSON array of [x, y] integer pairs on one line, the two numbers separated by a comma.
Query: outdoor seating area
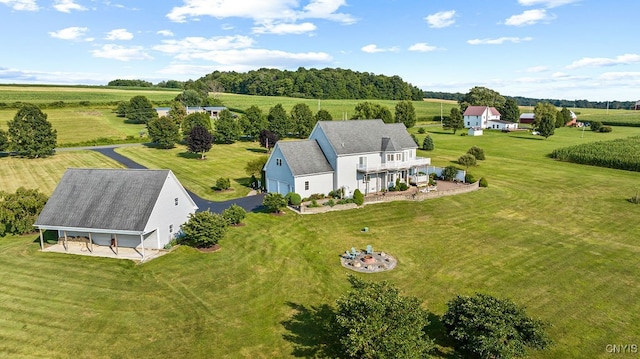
[[368, 260]]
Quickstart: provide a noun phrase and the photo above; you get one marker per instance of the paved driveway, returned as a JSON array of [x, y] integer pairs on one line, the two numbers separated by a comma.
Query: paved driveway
[[249, 203]]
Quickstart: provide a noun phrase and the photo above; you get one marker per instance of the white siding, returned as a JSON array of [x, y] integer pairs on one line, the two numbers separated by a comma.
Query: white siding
[[319, 183], [166, 213]]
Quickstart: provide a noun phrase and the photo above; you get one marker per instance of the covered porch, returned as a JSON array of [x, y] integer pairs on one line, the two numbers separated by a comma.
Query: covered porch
[[80, 248], [379, 179]]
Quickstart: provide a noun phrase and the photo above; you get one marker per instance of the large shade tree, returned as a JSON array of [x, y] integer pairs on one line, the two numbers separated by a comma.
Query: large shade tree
[[268, 139], [406, 113], [374, 320], [199, 140], [253, 121], [177, 112], [481, 96], [302, 120], [30, 134], [484, 326], [192, 120], [545, 118], [227, 127], [454, 121], [323, 115], [510, 110], [279, 122], [163, 131], [367, 110]]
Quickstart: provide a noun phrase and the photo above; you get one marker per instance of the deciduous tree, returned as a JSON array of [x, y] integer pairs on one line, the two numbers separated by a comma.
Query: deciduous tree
[[163, 131], [302, 120], [279, 122], [374, 320], [563, 117], [367, 110], [406, 113], [204, 229], [467, 160], [255, 166], [195, 119], [30, 134], [323, 115], [177, 112], [190, 98], [477, 152], [545, 119], [4, 140], [268, 139], [253, 121], [19, 210], [481, 96], [489, 327], [510, 110], [199, 140], [227, 128]]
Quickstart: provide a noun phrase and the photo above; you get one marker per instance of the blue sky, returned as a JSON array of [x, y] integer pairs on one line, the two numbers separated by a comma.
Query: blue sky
[[567, 49]]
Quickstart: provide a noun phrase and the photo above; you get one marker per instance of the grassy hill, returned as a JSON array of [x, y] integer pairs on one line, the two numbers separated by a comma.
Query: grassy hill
[[558, 238]]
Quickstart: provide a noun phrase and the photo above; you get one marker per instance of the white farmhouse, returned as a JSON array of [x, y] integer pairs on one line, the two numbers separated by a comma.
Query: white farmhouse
[[485, 117], [365, 154], [122, 207]]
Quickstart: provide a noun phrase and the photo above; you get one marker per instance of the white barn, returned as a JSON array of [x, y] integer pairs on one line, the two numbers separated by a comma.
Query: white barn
[[126, 207]]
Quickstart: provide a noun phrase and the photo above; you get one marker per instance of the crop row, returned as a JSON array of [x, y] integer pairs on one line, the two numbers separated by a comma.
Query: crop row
[[621, 154]]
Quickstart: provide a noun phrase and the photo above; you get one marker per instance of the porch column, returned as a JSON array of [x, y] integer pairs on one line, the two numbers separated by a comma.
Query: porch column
[[142, 245], [115, 240], [90, 243], [66, 245], [41, 240]]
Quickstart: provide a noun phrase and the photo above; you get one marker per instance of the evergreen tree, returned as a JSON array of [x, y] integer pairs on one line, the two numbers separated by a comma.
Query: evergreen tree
[[227, 128], [279, 121], [406, 113], [455, 120], [30, 134], [427, 144], [163, 131]]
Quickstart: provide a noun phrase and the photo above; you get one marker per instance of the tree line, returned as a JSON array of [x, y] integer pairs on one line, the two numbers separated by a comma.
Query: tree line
[[527, 101]]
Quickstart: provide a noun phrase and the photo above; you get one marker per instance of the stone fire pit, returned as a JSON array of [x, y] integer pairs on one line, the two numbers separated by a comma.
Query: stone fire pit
[[369, 263]]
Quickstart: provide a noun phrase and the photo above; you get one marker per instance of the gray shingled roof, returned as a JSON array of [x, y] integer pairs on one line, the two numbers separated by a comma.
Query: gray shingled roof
[[118, 199], [366, 136], [304, 157]]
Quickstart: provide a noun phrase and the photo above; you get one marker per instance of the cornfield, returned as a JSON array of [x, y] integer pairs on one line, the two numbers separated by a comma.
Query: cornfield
[[621, 154]]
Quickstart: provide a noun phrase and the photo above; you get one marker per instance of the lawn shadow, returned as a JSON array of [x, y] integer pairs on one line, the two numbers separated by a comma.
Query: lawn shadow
[[309, 330], [442, 132], [444, 345], [190, 155], [258, 150], [529, 138]]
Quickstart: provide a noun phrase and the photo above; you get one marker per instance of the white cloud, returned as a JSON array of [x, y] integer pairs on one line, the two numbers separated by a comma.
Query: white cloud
[[121, 53], [167, 33], [373, 48], [422, 47], [614, 76], [282, 29], [260, 10], [535, 69], [191, 45], [69, 33], [21, 5], [626, 59], [12, 75], [528, 17], [259, 57], [119, 34], [441, 19], [498, 41], [546, 3], [67, 6]]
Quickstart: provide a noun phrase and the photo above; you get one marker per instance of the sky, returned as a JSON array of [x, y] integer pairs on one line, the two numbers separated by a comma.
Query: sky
[[559, 49]]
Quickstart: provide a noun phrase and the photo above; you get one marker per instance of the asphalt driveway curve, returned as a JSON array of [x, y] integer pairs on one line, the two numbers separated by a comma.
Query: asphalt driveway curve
[[249, 203]]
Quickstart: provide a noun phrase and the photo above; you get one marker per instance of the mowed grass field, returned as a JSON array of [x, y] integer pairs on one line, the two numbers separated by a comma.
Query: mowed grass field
[[555, 237]]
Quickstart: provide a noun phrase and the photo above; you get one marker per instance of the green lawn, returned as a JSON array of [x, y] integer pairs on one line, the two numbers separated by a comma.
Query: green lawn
[[74, 94], [558, 238], [200, 176]]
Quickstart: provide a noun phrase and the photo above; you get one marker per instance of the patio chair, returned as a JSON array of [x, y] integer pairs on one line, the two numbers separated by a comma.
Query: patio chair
[[369, 249], [354, 252], [348, 255]]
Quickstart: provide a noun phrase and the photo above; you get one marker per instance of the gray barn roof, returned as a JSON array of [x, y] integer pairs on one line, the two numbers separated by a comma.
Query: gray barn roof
[[304, 157], [366, 136], [118, 199]]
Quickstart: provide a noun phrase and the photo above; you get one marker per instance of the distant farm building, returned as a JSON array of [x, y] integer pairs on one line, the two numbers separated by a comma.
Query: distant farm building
[[637, 106], [529, 117], [485, 117], [212, 111]]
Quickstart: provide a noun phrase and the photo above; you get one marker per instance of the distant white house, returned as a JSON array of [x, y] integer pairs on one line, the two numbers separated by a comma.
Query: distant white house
[[365, 154], [212, 111], [637, 106], [486, 117], [122, 207]]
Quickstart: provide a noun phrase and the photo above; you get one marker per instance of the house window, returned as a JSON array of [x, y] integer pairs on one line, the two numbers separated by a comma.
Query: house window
[[279, 161], [362, 162], [176, 201], [171, 228], [398, 156], [367, 178], [390, 157], [306, 185], [468, 123]]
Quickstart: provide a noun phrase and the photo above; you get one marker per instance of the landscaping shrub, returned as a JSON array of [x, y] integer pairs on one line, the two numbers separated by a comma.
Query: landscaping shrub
[[316, 196], [313, 204], [468, 178], [223, 184], [605, 129], [635, 199], [476, 152], [204, 229], [293, 198], [467, 160], [449, 173], [595, 125], [463, 134], [274, 202], [483, 182], [234, 214], [358, 197], [421, 130], [329, 203]]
